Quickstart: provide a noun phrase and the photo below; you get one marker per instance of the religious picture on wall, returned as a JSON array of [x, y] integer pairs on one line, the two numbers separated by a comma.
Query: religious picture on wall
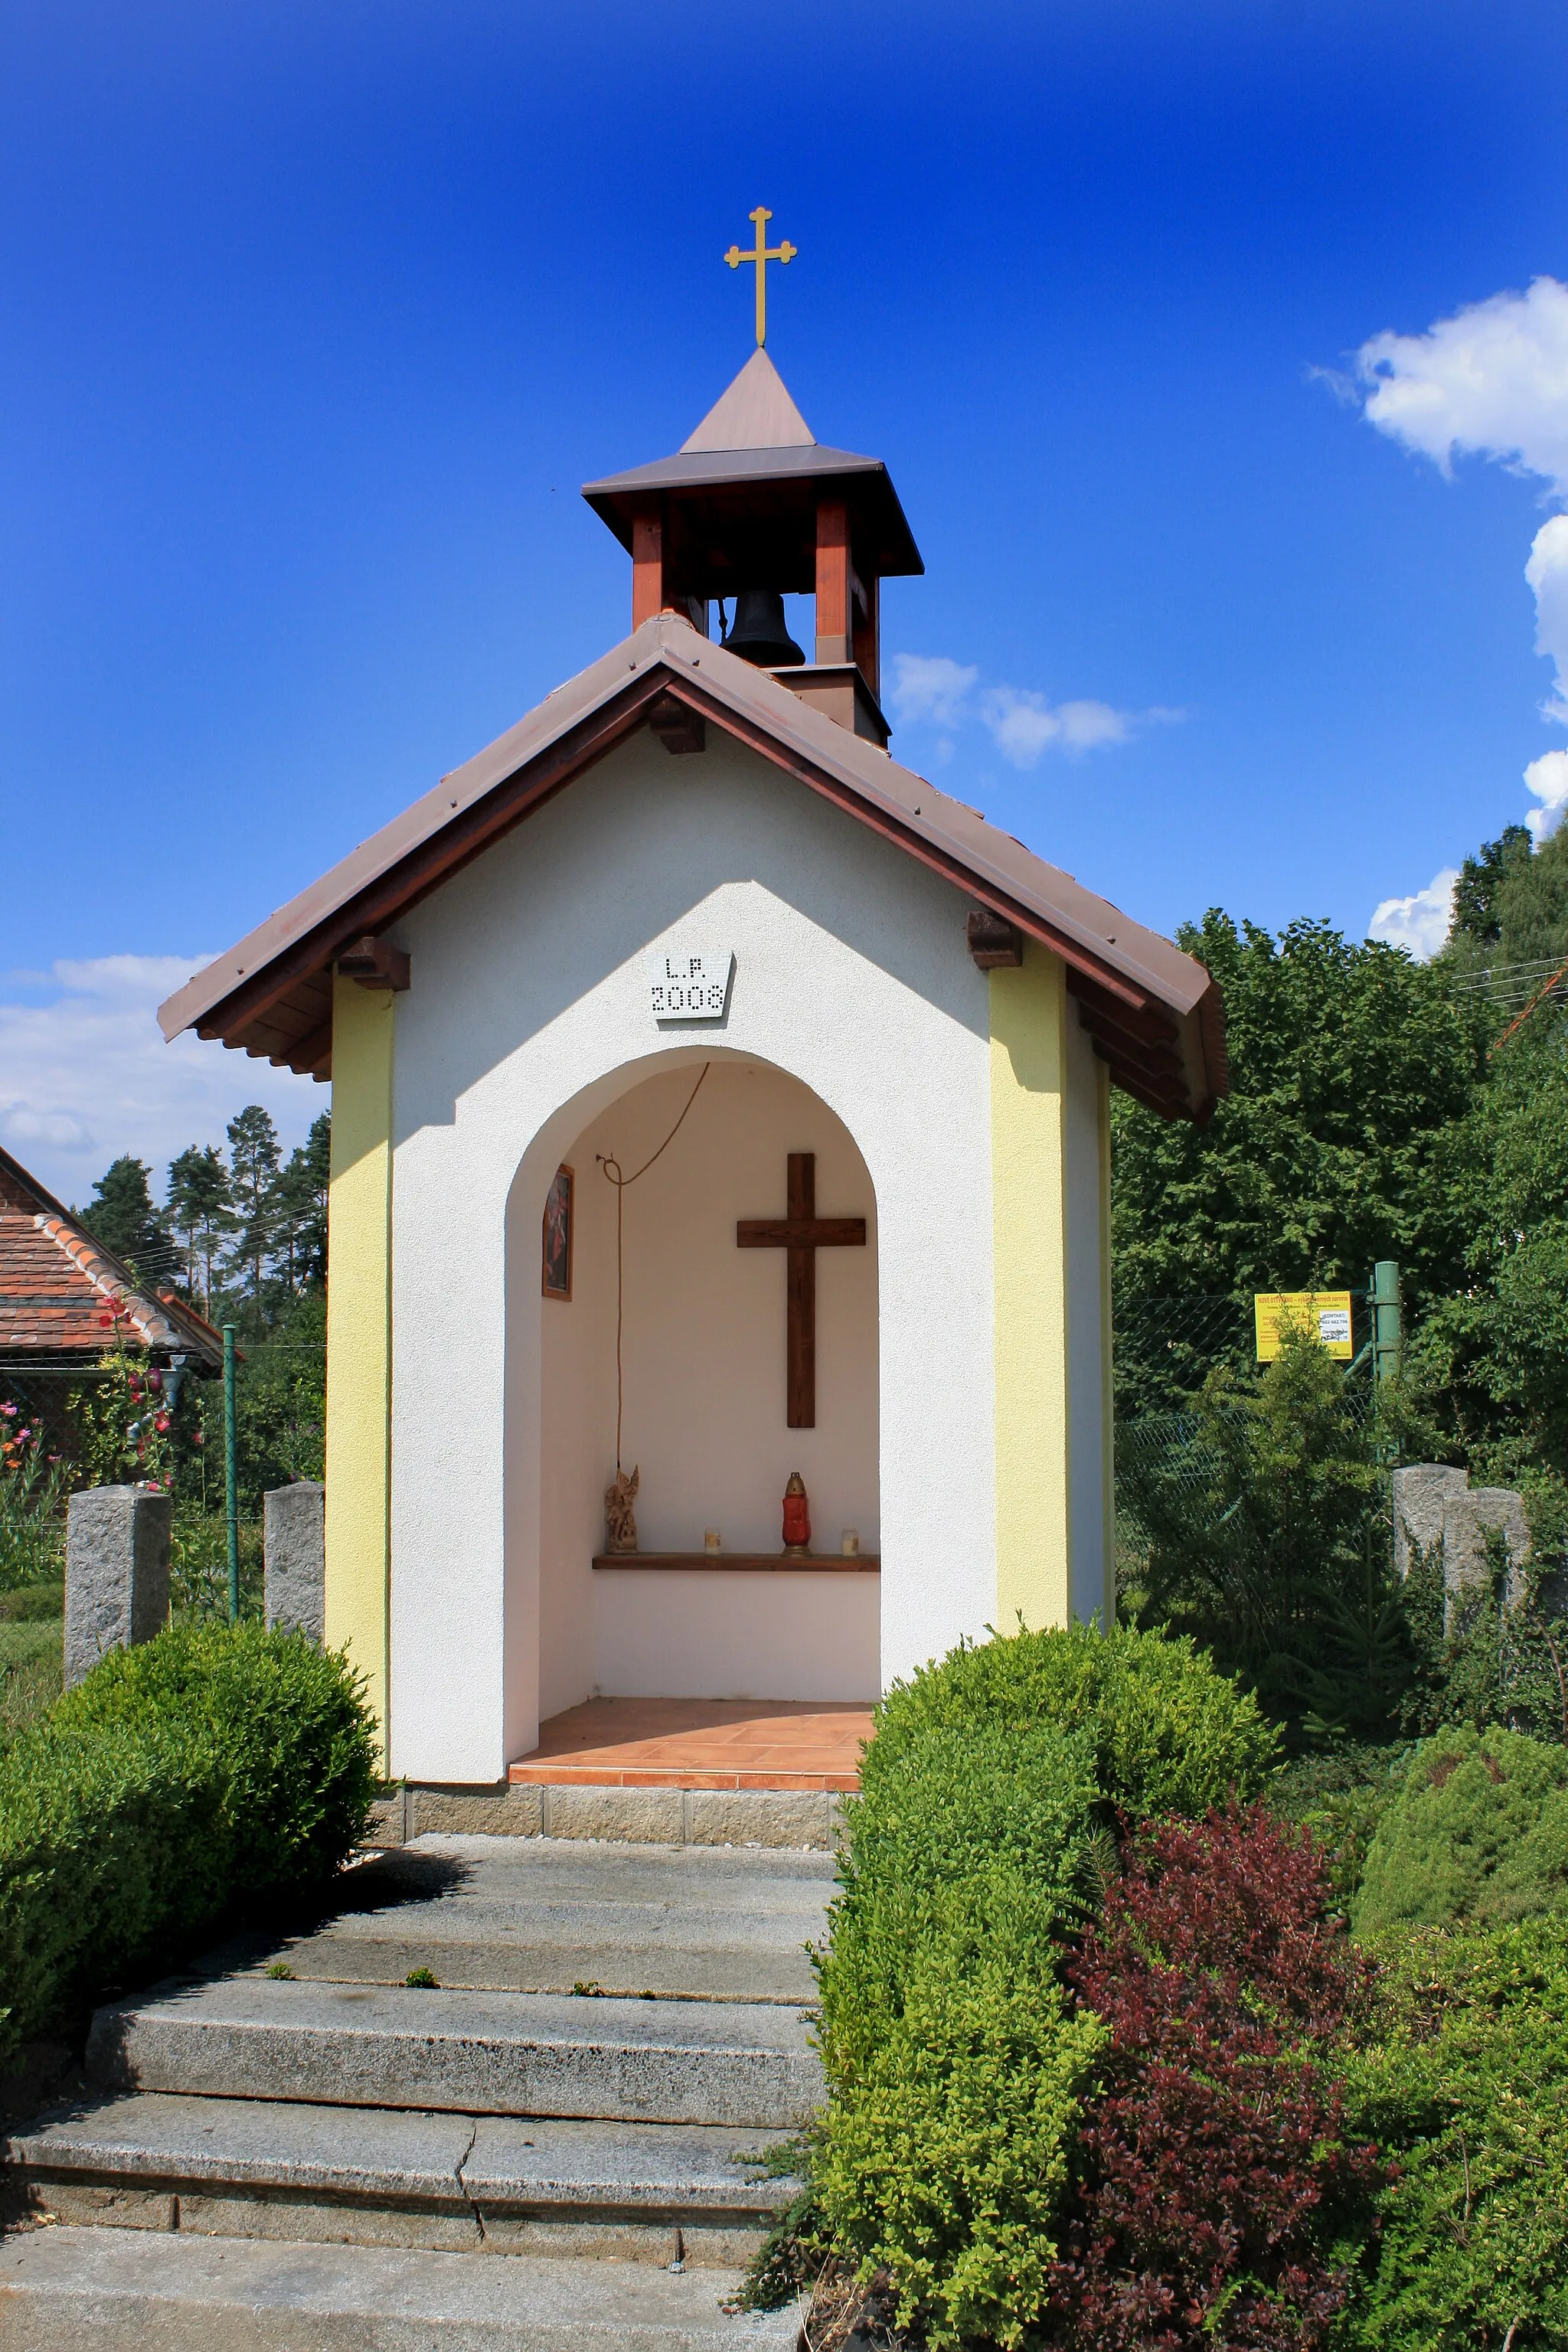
[[557, 1283]]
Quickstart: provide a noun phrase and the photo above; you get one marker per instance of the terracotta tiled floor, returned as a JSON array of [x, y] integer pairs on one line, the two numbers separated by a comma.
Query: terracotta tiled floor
[[701, 1743]]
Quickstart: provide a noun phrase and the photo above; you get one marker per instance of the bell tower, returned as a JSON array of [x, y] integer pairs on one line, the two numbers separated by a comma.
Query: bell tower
[[752, 509]]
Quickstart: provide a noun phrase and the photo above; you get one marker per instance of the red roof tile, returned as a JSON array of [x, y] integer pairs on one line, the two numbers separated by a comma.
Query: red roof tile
[[60, 1289]]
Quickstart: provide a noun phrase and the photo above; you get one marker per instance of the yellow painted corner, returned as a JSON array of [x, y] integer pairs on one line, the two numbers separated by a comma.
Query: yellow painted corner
[[1107, 1358], [1029, 1067], [359, 1333]]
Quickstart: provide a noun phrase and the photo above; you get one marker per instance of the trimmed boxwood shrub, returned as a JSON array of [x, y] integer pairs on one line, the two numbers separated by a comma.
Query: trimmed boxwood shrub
[[956, 2067], [185, 1784], [1168, 1732], [1478, 1830]]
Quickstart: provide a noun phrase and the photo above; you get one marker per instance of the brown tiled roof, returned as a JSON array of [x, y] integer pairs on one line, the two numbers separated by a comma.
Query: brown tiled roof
[[1156, 1016], [60, 1289]]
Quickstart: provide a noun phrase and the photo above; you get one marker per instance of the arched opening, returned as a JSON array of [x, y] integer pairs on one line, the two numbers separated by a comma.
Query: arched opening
[[702, 1393]]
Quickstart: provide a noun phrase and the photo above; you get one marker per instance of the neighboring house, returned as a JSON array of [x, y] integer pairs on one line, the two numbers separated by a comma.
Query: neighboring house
[[60, 1290]]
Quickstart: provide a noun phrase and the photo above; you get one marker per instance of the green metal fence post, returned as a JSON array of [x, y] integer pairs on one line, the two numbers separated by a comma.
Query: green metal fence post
[[1387, 1320], [230, 1477]]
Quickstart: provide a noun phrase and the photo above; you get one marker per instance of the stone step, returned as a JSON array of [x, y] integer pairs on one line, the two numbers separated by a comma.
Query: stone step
[[545, 1915], [245, 2167], [144, 2291], [511, 2053]]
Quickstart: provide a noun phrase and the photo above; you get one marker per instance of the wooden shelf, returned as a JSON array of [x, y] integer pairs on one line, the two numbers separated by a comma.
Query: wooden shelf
[[831, 1563]]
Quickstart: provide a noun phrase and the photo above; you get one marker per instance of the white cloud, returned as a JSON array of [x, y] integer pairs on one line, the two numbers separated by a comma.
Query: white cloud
[[1419, 923], [1548, 779], [1021, 724], [85, 1073], [1492, 380], [1547, 572], [931, 687]]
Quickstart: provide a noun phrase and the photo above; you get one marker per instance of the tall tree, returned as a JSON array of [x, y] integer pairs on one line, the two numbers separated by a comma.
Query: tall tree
[[1345, 1062], [199, 1210], [121, 1217], [303, 1206], [1510, 903], [254, 1155], [1483, 878]]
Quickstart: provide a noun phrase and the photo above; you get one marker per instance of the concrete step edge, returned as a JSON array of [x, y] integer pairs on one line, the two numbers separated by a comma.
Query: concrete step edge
[[181, 2143], [501, 2052], [122, 2289]]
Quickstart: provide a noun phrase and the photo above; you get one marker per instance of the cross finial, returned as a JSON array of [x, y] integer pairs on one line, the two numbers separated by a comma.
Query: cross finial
[[762, 253]]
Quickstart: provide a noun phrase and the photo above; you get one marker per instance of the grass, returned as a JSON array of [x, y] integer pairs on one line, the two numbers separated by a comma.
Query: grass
[[32, 1664]]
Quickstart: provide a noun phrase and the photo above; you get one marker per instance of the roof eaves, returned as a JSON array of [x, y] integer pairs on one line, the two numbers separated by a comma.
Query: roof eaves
[[459, 790], [1124, 955]]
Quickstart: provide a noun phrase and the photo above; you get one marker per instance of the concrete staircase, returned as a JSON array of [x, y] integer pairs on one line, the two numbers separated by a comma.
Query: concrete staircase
[[331, 2160]]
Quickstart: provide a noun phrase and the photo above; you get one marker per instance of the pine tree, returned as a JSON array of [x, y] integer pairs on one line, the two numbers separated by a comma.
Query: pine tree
[[200, 1210], [121, 1217], [254, 1158], [303, 1206]]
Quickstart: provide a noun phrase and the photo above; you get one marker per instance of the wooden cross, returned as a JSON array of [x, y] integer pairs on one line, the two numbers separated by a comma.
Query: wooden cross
[[762, 253], [802, 1232]]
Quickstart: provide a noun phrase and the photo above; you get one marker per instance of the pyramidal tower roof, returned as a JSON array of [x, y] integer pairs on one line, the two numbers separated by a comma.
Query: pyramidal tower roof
[[756, 412], [754, 445]]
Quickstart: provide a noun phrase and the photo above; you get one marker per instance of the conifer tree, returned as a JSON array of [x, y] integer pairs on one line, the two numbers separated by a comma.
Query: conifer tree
[[123, 1217], [200, 1210], [303, 1206], [254, 1156]]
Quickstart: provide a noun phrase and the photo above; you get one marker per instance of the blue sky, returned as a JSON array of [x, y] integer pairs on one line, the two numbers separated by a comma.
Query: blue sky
[[317, 316]]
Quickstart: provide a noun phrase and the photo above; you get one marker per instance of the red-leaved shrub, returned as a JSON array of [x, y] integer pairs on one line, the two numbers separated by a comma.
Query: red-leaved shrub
[[1213, 2169]]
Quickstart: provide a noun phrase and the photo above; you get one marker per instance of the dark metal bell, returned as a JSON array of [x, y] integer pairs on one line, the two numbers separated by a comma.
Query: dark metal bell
[[760, 634]]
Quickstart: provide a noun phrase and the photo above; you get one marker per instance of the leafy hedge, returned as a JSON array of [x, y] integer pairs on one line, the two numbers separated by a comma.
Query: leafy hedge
[[185, 1783], [1167, 1733], [959, 2065], [1478, 1830], [1462, 2074]]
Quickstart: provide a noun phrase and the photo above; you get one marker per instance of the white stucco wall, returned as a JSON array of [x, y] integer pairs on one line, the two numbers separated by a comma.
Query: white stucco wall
[[527, 1013], [703, 1357]]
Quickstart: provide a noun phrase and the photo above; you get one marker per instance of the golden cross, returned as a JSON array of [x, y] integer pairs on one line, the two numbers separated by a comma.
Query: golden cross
[[762, 253]]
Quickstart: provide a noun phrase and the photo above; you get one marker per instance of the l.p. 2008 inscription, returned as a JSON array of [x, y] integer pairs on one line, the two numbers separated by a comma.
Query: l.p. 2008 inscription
[[691, 987]]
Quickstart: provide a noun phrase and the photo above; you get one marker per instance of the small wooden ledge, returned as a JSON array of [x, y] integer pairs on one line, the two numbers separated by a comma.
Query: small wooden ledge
[[832, 1563]]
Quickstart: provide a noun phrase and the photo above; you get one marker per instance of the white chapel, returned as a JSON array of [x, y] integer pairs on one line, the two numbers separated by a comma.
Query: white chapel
[[718, 1291]]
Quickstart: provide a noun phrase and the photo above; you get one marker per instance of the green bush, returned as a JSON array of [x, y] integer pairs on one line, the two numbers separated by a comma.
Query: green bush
[[288, 1728], [1463, 2077], [980, 1844], [945, 2160], [1342, 1794], [956, 2064], [1169, 1734], [1480, 1830], [956, 2069], [183, 1784]]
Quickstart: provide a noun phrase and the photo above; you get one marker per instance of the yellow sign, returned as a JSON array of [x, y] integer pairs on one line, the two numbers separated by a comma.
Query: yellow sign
[[1320, 1315], [762, 253]]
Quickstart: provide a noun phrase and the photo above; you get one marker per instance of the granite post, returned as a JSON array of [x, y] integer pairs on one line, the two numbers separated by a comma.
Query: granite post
[[1420, 1491], [1468, 1519], [294, 1551], [117, 1573]]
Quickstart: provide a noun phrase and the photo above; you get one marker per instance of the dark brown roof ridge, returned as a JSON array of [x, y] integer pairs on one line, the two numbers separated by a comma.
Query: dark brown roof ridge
[[1137, 970]]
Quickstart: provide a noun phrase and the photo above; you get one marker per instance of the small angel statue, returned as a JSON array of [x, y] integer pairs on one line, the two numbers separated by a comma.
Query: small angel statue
[[620, 1519]]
